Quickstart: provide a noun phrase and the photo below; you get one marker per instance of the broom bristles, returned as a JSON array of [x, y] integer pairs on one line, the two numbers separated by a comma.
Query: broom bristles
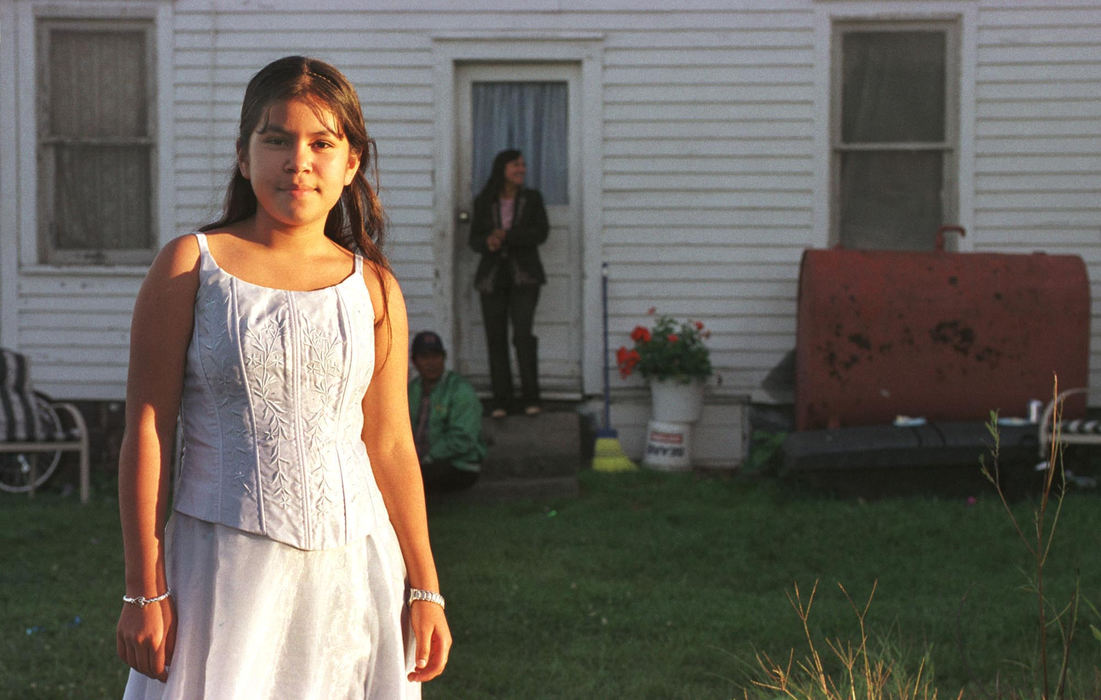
[[608, 456]]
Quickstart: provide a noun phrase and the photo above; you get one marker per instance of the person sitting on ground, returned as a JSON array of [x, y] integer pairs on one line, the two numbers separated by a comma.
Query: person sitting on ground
[[447, 419]]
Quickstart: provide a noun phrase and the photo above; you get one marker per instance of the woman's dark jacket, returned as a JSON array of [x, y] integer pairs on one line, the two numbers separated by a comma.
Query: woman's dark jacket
[[517, 262]]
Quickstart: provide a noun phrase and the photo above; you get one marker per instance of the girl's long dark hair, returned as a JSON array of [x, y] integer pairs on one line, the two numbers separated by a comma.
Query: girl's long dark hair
[[496, 179], [357, 222]]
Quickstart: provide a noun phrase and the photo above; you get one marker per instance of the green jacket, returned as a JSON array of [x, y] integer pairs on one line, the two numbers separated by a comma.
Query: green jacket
[[455, 424]]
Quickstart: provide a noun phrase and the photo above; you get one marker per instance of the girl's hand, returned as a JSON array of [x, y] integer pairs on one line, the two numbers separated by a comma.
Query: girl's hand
[[146, 637], [433, 640]]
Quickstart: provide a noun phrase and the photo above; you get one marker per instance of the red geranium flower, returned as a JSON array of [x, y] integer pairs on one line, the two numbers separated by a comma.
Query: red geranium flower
[[626, 359], [668, 348]]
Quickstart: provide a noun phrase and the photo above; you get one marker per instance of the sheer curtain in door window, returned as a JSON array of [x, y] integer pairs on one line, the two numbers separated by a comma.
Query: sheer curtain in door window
[[531, 117]]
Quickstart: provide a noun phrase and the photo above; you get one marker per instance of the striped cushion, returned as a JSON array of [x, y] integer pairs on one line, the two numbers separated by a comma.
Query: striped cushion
[[18, 418], [1081, 427], [50, 425]]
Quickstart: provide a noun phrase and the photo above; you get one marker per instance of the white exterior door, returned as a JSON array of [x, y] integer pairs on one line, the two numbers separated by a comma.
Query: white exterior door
[[558, 315]]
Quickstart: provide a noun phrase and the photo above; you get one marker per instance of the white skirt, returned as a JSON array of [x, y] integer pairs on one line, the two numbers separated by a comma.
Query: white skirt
[[258, 619]]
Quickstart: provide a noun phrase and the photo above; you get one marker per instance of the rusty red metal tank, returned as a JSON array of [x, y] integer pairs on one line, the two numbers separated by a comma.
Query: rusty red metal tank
[[940, 335]]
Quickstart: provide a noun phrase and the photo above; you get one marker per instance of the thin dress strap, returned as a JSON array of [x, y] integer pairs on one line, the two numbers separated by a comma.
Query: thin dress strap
[[206, 260]]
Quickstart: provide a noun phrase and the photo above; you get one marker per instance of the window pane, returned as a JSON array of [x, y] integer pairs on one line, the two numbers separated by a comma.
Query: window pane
[[891, 201], [97, 83], [95, 141], [103, 198], [531, 117], [893, 87]]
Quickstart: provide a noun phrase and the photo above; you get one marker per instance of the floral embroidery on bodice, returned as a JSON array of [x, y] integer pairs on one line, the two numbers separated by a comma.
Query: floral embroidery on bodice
[[271, 411]]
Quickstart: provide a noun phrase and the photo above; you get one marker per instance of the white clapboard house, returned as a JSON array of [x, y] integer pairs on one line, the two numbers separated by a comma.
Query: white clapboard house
[[695, 146]]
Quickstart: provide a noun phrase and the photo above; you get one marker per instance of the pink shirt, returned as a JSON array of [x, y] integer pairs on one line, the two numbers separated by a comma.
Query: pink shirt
[[508, 210]]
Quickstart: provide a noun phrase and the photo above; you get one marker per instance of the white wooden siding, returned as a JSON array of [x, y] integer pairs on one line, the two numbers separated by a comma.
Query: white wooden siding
[[76, 329], [708, 181], [710, 159]]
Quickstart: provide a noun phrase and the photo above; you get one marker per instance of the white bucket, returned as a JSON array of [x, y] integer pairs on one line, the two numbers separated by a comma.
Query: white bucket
[[668, 446], [676, 402]]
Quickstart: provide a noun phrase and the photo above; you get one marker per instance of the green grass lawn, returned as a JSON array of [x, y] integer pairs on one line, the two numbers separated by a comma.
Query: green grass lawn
[[648, 585]]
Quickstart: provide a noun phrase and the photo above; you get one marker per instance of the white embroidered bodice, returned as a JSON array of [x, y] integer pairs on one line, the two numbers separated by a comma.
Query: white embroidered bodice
[[271, 409]]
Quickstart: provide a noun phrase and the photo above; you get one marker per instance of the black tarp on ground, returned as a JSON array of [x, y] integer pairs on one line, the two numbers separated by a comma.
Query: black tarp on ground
[[943, 458]]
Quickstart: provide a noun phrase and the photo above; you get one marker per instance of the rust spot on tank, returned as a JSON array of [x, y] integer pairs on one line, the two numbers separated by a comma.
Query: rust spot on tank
[[955, 335], [988, 354], [861, 341], [953, 280], [885, 348]]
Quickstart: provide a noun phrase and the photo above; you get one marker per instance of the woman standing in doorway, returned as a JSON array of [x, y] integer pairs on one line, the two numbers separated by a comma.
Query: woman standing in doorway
[[509, 225]]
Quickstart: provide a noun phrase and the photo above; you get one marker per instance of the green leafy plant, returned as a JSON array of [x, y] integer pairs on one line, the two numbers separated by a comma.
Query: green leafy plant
[[670, 350], [764, 451]]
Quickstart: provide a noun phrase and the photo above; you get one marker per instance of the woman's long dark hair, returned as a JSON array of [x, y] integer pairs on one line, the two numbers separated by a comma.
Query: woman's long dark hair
[[496, 179], [357, 222]]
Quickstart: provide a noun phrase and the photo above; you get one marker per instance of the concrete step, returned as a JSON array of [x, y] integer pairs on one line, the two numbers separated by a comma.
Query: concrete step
[[531, 456], [546, 445]]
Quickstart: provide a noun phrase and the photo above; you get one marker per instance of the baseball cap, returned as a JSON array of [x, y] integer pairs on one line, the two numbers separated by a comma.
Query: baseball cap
[[427, 341]]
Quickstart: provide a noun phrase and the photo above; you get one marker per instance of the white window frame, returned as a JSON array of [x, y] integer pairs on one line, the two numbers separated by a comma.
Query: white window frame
[[950, 147], [47, 180], [27, 16]]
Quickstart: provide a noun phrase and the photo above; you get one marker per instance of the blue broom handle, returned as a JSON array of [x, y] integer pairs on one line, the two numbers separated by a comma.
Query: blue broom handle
[[604, 308]]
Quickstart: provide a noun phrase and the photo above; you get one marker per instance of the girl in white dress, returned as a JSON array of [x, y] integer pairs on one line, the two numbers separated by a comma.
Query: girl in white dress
[[296, 561]]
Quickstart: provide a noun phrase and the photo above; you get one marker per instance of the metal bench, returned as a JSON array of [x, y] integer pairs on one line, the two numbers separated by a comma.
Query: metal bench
[[33, 434], [1071, 432]]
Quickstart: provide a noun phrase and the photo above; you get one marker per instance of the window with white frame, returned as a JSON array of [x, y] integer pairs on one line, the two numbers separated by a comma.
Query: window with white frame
[[894, 133], [96, 141]]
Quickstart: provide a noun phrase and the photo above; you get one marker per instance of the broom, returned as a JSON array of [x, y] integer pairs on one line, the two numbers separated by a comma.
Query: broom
[[608, 455]]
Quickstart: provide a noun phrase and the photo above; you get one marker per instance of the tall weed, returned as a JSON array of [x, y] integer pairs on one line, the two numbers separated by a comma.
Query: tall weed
[[1056, 621], [868, 668]]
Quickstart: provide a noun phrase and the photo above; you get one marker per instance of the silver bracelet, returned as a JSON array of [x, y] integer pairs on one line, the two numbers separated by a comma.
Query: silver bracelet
[[430, 596], [141, 601]]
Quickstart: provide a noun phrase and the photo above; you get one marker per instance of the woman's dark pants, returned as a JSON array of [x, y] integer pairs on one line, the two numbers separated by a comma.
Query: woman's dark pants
[[516, 304]]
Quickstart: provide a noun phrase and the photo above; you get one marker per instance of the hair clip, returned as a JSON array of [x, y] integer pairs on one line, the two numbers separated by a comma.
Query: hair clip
[[326, 78]]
